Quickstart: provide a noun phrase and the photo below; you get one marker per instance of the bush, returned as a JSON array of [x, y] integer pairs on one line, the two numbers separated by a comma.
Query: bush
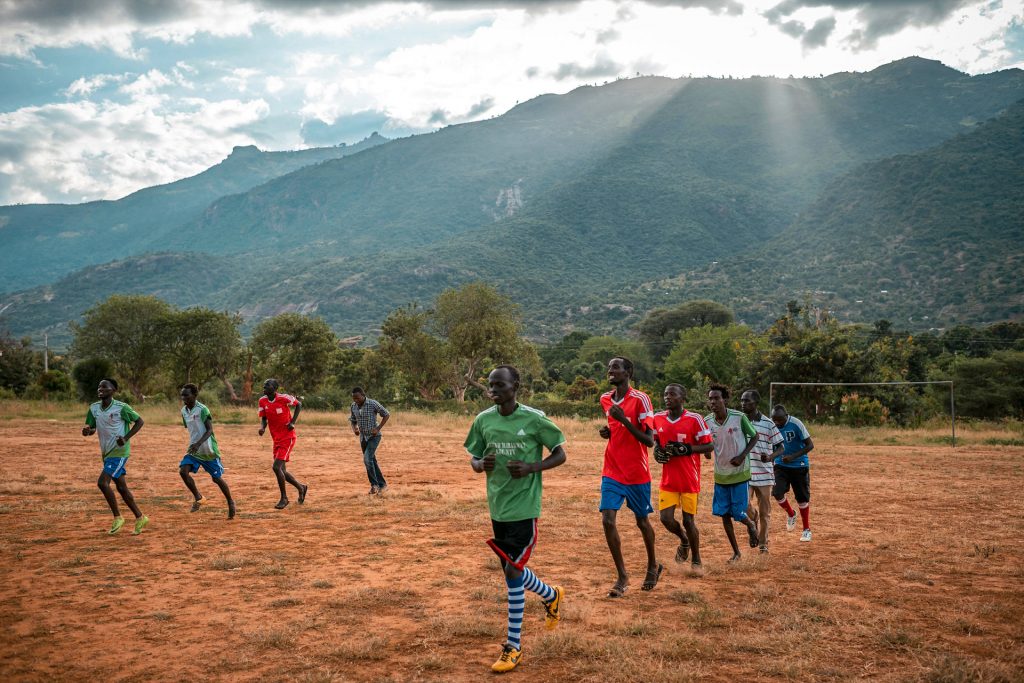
[[88, 373], [862, 411]]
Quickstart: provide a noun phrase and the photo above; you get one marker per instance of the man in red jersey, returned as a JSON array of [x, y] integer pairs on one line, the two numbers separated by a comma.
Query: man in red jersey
[[275, 412], [682, 436], [626, 475]]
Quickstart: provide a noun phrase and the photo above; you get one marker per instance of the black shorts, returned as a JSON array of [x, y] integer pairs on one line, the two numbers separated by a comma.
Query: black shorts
[[797, 477], [514, 541]]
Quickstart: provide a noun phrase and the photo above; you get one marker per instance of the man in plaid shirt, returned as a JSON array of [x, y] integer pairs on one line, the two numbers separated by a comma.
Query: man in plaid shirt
[[364, 412]]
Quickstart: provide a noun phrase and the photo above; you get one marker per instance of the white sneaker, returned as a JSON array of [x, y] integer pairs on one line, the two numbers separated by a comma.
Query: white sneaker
[[791, 523], [805, 536]]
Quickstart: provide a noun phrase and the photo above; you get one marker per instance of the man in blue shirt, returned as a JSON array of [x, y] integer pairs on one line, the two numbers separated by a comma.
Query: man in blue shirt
[[364, 412], [793, 468]]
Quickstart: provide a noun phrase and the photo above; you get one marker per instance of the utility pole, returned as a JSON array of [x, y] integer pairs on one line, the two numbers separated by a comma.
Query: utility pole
[[46, 352]]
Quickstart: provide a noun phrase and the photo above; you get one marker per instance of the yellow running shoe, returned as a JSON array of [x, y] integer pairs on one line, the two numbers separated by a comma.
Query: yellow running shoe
[[508, 660], [140, 524], [553, 615], [116, 526]]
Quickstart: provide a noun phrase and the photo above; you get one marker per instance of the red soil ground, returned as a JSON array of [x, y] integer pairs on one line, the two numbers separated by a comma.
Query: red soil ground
[[915, 570]]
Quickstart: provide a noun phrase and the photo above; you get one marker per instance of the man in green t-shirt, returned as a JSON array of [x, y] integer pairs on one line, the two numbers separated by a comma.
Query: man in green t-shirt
[[507, 443], [734, 438], [112, 419], [202, 449]]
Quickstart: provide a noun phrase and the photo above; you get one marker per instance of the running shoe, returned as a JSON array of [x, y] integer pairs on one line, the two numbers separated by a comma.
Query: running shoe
[[553, 609], [116, 526], [508, 660], [140, 524]]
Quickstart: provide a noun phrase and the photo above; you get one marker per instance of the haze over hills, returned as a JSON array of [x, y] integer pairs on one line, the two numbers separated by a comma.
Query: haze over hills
[[585, 205], [43, 242]]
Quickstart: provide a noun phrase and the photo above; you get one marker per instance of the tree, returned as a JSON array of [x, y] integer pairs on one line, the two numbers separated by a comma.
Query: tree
[[707, 353], [130, 332], [480, 327], [294, 349], [597, 351], [660, 327], [88, 373], [204, 344], [423, 360], [19, 364]]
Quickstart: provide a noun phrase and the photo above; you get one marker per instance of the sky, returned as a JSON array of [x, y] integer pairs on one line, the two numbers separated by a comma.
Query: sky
[[99, 98]]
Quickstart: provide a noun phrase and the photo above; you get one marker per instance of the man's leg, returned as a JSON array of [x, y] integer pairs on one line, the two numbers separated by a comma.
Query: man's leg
[[279, 472], [653, 568], [611, 535], [668, 520], [108, 493], [372, 467], [126, 495], [764, 508], [186, 476], [223, 486], [731, 534], [692, 535], [779, 492], [802, 493]]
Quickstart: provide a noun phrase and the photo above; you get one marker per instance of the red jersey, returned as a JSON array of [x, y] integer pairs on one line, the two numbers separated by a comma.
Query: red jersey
[[625, 458], [681, 474], [278, 413]]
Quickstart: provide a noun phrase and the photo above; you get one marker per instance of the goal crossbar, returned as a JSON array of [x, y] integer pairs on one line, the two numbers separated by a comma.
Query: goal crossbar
[[952, 401]]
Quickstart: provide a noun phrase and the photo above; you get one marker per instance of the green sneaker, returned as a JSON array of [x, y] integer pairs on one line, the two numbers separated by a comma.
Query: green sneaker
[[116, 526], [140, 524]]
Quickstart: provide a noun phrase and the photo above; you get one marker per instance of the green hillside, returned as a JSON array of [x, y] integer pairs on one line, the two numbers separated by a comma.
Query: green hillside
[[43, 242], [592, 207], [927, 240]]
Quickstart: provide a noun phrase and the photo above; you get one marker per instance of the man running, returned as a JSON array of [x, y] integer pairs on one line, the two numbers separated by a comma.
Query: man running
[[762, 475], [734, 439], [274, 411], [363, 416], [202, 449], [112, 419], [626, 475], [682, 436], [507, 442], [793, 468]]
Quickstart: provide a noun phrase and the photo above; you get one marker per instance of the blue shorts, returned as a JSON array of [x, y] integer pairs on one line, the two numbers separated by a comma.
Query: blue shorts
[[637, 497], [214, 467], [115, 467], [731, 499]]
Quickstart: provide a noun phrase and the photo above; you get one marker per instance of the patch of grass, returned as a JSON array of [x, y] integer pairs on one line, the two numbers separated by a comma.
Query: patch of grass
[[686, 597], [274, 569], [285, 602], [431, 494], [1003, 442], [457, 628], [229, 561], [708, 617], [897, 638], [814, 601], [369, 650], [637, 628], [984, 551], [967, 627], [43, 541], [322, 583], [70, 562], [276, 637], [161, 616], [914, 575]]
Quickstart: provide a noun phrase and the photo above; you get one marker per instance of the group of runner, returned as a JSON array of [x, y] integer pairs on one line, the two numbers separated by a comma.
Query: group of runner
[[755, 458]]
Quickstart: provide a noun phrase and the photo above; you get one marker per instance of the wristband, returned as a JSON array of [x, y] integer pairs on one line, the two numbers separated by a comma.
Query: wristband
[[686, 448]]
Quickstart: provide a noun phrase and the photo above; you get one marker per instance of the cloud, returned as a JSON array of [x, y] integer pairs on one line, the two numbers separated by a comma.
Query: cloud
[[481, 107], [355, 126], [79, 150], [85, 86], [602, 66], [877, 18]]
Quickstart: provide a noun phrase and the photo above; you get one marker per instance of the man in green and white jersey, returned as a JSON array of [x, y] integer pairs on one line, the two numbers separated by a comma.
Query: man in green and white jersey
[[202, 449], [734, 438], [111, 419], [507, 442]]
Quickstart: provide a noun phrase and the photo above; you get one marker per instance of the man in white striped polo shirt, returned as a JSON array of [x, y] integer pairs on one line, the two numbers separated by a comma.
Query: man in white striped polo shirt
[[762, 474]]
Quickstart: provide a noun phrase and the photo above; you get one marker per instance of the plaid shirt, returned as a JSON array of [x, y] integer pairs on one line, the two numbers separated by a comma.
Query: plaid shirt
[[366, 416]]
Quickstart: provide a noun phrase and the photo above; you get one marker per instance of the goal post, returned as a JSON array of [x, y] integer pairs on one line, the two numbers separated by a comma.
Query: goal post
[[952, 400]]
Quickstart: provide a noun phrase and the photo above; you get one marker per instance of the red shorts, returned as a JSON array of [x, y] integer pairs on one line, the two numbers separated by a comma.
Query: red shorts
[[283, 449]]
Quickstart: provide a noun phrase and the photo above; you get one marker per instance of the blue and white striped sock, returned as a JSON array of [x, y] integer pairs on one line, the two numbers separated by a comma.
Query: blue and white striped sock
[[535, 585], [516, 603]]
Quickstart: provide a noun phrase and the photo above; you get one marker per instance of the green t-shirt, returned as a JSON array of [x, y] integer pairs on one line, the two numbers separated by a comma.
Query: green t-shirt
[[730, 440], [111, 423], [195, 420], [523, 435]]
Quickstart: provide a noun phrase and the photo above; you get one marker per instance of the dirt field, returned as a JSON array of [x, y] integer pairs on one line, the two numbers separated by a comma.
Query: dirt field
[[915, 571]]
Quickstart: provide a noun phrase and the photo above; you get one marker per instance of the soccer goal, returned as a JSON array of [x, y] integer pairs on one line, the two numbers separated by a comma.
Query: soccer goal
[[949, 382]]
